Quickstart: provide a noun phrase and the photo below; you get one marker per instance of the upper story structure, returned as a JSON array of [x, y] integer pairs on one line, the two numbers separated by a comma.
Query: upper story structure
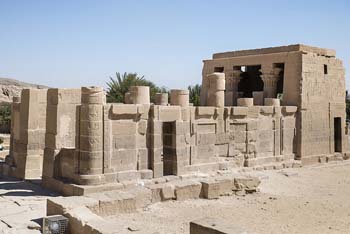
[[311, 78]]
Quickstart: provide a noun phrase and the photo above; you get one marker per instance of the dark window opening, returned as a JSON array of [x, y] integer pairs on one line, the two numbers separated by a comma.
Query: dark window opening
[[169, 159], [237, 68], [219, 69], [280, 80], [337, 135], [325, 69], [250, 80]]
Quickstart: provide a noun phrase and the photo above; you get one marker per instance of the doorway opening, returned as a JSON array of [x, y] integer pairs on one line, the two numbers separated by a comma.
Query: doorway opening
[[169, 158], [250, 80], [337, 135]]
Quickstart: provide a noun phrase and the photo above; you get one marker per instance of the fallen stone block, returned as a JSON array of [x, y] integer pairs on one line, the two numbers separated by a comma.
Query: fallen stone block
[[61, 205], [155, 192], [226, 185], [79, 217], [187, 190], [210, 189], [114, 202], [249, 184], [142, 195], [214, 226], [167, 192]]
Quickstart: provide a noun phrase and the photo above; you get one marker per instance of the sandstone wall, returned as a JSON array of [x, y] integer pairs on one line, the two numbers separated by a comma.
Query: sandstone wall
[[28, 135], [61, 128], [322, 100]]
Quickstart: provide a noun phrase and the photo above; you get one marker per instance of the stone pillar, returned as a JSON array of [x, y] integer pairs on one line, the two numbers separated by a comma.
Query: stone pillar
[[161, 99], [232, 80], [179, 97], [139, 94], [270, 77], [91, 131], [216, 92]]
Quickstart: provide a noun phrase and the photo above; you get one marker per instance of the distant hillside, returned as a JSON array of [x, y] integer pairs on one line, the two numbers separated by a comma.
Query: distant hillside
[[10, 88]]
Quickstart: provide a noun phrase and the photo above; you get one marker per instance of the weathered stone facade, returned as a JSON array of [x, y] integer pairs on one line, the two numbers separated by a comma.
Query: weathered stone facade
[[260, 108], [310, 78], [28, 122]]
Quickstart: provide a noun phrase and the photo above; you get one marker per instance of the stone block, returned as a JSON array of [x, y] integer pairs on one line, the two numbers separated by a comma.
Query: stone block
[[61, 205], [127, 109], [205, 139], [253, 112], [128, 175], [169, 113], [267, 110], [167, 192], [125, 159], [146, 174], [142, 195], [210, 189], [205, 111], [187, 190], [239, 111], [246, 183], [289, 109], [124, 141], [252, 125], [114, 202], [123, 127], [226, 185], [156, 190]]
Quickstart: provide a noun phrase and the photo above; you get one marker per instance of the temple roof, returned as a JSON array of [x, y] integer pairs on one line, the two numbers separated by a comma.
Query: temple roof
[[279, 49]]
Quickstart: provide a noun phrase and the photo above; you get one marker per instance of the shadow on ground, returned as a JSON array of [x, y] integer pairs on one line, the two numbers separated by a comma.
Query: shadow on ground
[[22, 188]]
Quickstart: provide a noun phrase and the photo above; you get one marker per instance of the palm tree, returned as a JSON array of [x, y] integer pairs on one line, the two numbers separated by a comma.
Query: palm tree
[[195, 94], [117, 87]]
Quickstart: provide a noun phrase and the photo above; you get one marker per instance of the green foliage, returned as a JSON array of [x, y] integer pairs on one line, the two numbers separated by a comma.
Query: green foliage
[[5, 114], [195, 94], [117, 87]]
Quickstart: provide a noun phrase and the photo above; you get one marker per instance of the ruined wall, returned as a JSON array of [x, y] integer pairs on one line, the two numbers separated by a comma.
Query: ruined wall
[[125, 140], [322, 100], [28, 135], [60, 137]]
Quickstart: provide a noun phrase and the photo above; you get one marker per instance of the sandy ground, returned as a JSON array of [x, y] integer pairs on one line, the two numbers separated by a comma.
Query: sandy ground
[[22, 206], [309, 200]]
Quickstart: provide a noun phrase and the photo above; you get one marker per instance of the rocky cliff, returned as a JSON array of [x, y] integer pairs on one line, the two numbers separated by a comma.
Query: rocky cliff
[[10, 88]]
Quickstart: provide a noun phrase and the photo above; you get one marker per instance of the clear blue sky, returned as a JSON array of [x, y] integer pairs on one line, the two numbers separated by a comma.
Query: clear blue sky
[[73, 43]]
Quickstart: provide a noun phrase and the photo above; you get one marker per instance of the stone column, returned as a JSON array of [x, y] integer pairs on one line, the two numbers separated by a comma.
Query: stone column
[[270, 77], [232, 80], [161, 99], [139, 94], [216, 90], [179, 97], [91, 131]]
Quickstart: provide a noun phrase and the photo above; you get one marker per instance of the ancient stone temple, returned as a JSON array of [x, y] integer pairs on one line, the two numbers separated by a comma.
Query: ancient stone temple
[[266, 108], [310, 78]]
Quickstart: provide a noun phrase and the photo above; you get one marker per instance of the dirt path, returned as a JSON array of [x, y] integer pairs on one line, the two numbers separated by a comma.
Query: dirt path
[[309, 200]]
